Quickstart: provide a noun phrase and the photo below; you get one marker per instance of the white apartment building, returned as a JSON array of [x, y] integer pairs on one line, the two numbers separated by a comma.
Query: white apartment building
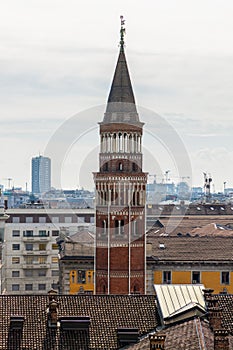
[[29, 250]]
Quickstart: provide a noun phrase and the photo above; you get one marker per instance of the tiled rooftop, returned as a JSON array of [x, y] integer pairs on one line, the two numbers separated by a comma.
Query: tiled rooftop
[[106, 313], [187, 224], [225, 303], [191, 248], [194, 334]]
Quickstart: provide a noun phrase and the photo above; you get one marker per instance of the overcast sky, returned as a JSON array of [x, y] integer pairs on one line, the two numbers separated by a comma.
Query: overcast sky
[[58, 58]]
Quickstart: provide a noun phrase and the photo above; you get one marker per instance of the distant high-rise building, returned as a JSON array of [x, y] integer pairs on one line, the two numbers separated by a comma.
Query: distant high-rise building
[[41, 174]]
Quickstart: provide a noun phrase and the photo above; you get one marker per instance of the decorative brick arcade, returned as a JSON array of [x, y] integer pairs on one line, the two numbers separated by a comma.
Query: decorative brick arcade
[[120, 191]]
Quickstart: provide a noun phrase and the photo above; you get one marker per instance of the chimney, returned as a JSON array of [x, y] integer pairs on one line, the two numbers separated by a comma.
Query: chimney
[[157, 341], [52, 314], [221, 339], [52, 309], [215, 317], [214, 311]]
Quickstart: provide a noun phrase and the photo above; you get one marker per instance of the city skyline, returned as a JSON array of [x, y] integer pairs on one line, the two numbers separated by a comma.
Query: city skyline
[[181, 68]]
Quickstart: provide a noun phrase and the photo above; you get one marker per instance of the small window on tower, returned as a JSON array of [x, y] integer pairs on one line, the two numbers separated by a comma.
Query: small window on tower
[[104, 227], [105, 166], [119, 227], [120, 167], [134, 167]]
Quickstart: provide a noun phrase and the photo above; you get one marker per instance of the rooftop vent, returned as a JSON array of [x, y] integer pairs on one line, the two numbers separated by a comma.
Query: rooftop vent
[[127, 335], [74, 323], [16, 322]]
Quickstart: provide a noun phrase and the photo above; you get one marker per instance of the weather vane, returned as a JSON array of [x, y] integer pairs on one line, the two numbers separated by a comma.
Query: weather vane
[[122, 32]]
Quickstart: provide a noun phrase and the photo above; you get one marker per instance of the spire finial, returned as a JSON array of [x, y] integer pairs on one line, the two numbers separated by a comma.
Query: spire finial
[[122, 32]]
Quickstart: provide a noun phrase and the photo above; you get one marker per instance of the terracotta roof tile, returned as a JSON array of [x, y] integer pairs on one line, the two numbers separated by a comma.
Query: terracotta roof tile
[[190, 335], [191, 248], [106, 313]]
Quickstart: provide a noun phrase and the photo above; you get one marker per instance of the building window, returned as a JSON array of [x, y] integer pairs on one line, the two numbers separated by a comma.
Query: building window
[[119, 227], [81, 276], [104, 227], [81, 219], [55, 219], [120, 166], [29, 219], [167, 277], [15, 287], [225, 277], [42, 219], [15, 273], [55, 273], [15, 246], [55, 246], [42, 273], [41, 286], [28, 286], [43, 233], [15, 220], [42, 259], [54, 260], [29, 260], [68, 219], [135, 167], [15, 260], [134, 227], [196, 277], [106, 166], [28, 233], [29, 246], [54, 285], [15, 233], [55, 233], [42, 246]]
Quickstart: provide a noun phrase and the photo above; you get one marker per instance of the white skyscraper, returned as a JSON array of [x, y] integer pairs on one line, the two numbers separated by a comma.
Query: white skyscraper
[[41, 174]]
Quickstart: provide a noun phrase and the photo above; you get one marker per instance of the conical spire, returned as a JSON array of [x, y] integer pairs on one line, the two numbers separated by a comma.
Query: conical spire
[[121, 89], [121, 103]]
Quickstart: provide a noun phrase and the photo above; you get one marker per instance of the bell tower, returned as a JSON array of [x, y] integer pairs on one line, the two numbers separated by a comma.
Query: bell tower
[[120, 186]]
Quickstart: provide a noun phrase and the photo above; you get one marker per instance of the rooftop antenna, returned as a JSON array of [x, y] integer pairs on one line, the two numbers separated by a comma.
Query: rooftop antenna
[[224, 187], [167, 175], [122, 33]]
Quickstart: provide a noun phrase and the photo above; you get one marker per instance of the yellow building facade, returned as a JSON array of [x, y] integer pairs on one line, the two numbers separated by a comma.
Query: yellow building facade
[[81, 281], [219, 281]]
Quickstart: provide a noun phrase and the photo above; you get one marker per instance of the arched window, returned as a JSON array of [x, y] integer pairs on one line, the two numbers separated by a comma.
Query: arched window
[[120, 166], [106, 166], [134, 167]]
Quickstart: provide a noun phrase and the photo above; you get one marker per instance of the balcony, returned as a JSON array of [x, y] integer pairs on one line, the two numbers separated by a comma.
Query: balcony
[[36, 238], [36, 265], [36, 252]]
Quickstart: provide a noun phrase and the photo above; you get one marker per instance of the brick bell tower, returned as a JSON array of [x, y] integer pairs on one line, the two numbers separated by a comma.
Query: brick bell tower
[[120, 191]]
